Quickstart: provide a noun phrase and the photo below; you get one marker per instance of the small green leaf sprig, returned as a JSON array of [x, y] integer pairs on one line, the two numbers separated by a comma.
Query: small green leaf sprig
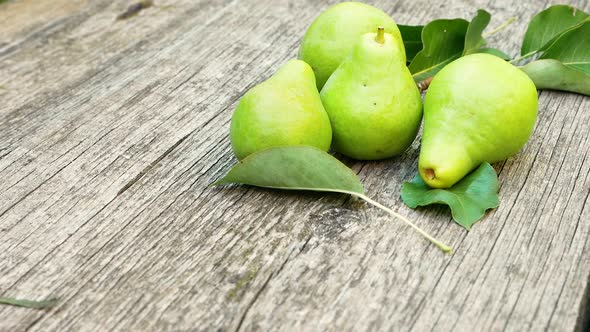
[[44, 304]]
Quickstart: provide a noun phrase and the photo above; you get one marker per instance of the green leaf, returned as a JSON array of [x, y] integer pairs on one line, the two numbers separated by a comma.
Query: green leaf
[[28, 303], [468, 199], [473, 39], [548, 25], [494, 51], [295, 168], [553, 75], [306, 168], [412, 37], [565, 65], [572, 48], [444, 41]]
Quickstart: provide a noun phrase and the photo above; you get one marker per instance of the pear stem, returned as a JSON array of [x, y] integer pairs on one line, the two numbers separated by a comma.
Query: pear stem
[[380, 38], [423, 85], [446, 249]]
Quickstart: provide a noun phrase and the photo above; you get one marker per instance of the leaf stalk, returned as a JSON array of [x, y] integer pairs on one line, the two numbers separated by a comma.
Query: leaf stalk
[[446, 249], [501, 27]]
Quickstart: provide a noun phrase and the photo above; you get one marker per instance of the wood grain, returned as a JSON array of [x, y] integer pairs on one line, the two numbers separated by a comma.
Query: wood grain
[[111, 132]]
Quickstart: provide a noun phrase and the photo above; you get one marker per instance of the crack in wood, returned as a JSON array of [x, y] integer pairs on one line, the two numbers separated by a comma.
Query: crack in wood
[[583, 322], [151, 165], [266, 282]]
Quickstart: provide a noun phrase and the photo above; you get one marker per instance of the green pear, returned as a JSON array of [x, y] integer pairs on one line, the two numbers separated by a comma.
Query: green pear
[[478, 108], [284, 110], [333, 34], [372, 100]]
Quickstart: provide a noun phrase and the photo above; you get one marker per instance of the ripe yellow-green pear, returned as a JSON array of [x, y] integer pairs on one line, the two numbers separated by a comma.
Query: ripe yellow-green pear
[[372, 100], [284, 110], [333, 34], [478, 108]]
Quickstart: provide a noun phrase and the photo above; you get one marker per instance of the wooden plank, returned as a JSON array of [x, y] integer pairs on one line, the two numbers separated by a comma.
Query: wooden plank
[[23, 19], [111, 132]]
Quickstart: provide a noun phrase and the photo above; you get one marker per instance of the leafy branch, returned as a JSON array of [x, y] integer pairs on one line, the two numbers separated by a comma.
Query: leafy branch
[[549, 38]]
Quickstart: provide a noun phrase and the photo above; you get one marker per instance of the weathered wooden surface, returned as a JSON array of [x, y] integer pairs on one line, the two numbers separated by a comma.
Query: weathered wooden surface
[[111, 132]]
